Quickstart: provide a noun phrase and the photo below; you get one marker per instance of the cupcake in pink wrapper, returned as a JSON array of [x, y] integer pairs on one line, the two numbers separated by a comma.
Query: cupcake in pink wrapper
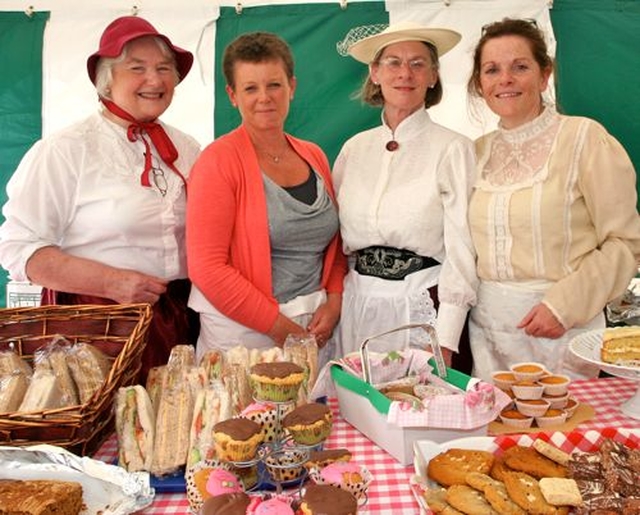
[[346, 475], [271, 507], [207, 479]]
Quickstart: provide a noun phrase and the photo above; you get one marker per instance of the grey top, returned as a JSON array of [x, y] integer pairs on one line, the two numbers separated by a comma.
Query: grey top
[[299, 233]]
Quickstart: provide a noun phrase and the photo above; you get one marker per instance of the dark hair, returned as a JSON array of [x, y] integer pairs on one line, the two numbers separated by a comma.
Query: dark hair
[[526, 29], [256, 47], [371, 93]]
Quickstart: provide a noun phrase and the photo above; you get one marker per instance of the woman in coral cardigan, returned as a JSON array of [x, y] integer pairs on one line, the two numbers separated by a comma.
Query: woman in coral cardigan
[[262, 224]]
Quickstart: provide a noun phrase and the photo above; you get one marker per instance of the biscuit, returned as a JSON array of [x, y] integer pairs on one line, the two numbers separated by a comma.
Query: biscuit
[[437, 501], [530, 461], [499, 469], [560, 491], [469, 500], [525, 492], [450, 467], [552, 452], [495, 492]]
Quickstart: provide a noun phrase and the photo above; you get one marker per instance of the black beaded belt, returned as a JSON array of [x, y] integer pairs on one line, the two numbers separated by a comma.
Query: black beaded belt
[[390, 263]]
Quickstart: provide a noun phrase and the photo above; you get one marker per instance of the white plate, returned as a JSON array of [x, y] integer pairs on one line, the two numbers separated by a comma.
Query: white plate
[[587, 347], [424, 450]]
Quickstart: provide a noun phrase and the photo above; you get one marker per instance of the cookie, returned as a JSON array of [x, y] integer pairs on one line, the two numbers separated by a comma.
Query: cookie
[[469, 500], [525, 492], [560, 491], [552, 452], [499, 469], [437, 501], [450, 467], [495, 492], [530, 461]]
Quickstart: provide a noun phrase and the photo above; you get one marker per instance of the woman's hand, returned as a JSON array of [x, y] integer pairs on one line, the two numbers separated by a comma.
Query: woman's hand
[[542, 323], [129, 286], [325, 319], [282, 328]]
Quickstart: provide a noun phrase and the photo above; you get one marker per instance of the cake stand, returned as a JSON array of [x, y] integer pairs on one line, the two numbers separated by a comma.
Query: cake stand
[[586, 346]]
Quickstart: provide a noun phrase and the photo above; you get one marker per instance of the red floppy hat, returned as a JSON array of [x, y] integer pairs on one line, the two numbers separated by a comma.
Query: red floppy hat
[[122, 30]]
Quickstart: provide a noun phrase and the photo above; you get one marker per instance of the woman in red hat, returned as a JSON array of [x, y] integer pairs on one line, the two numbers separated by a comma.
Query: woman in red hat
[[96, 212]]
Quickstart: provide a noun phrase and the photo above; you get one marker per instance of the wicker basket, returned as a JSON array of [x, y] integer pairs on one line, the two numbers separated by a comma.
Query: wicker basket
[[120, 331]]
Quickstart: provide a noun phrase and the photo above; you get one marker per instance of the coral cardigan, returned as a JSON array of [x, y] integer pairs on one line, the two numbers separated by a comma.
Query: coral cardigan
[[228, 247]]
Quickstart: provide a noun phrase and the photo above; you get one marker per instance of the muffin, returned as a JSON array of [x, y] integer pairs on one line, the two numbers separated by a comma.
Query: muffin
[[272, 507], [237, 439], [327, 500], [309, 424], [278, 381], [226, 504], [320, 459], [266, 414], [346, 475], [207, 479]]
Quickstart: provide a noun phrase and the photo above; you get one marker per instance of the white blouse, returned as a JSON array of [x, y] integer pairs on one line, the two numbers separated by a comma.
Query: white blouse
[[416, 199], [80, 190]]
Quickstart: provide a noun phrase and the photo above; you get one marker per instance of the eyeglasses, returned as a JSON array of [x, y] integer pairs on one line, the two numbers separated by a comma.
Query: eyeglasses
[[395, 64], [530, 21], [160, 180]]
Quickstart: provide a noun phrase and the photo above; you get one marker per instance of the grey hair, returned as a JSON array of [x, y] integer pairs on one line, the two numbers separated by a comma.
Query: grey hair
[[104, 67]]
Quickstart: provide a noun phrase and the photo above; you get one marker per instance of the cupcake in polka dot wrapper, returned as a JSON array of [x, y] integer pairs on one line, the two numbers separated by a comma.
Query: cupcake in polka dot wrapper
[[237, 439], [226, 504], [207, 479], [309, 424], [278, 381], [327, 500], [346, 475], [266, 414], [270, 507]]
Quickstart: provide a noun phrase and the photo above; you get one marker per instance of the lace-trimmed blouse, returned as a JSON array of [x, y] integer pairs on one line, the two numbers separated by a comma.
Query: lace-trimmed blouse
[[555, 200]]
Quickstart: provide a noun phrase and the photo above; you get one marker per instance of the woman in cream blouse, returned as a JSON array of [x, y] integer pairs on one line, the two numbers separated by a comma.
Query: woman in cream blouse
[[553, 213]]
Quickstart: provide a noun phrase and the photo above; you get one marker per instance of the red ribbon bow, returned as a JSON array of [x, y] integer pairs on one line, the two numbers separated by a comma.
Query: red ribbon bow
[[157, 134]]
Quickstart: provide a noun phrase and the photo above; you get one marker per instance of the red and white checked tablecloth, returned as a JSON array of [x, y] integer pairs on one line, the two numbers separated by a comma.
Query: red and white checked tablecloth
[[389, 493]]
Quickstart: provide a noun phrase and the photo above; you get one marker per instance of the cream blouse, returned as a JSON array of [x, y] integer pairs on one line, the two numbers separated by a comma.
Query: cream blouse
[[555, 200]]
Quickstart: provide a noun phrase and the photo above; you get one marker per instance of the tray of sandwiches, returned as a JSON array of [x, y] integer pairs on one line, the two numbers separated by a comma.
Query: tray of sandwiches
[[546, 473], [60, 369]]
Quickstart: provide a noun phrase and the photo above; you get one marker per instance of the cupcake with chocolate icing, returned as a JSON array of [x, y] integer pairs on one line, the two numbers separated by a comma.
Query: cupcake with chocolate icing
[[327, 500], [309, 424], [237, 439], [226, 504], [278, 381]]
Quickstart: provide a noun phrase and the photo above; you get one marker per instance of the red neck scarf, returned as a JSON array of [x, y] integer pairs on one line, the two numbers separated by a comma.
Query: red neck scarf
[[160, 139]]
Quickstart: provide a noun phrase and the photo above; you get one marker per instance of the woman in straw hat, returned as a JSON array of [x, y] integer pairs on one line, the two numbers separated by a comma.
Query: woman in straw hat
[[403, 190], [96, 212], [262, 222], [553, 214]]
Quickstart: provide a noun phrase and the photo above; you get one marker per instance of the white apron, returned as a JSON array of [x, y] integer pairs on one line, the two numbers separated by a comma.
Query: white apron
[[217, 331], [497, 343], [371, 306]]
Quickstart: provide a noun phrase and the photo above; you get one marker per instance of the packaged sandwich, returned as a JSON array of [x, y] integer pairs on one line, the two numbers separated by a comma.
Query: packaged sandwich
[[155, 380], [54, 356], [12, 390], [303, 351], [236, 381], [173, 423], [43, 393], [89, 367], [212, 405], [212, 363], [182, 356], [12, 363], [135, 427]]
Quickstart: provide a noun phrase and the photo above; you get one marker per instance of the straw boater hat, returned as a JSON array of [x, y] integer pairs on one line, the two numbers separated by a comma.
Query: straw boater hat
[[366, 49], [122, 30]]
